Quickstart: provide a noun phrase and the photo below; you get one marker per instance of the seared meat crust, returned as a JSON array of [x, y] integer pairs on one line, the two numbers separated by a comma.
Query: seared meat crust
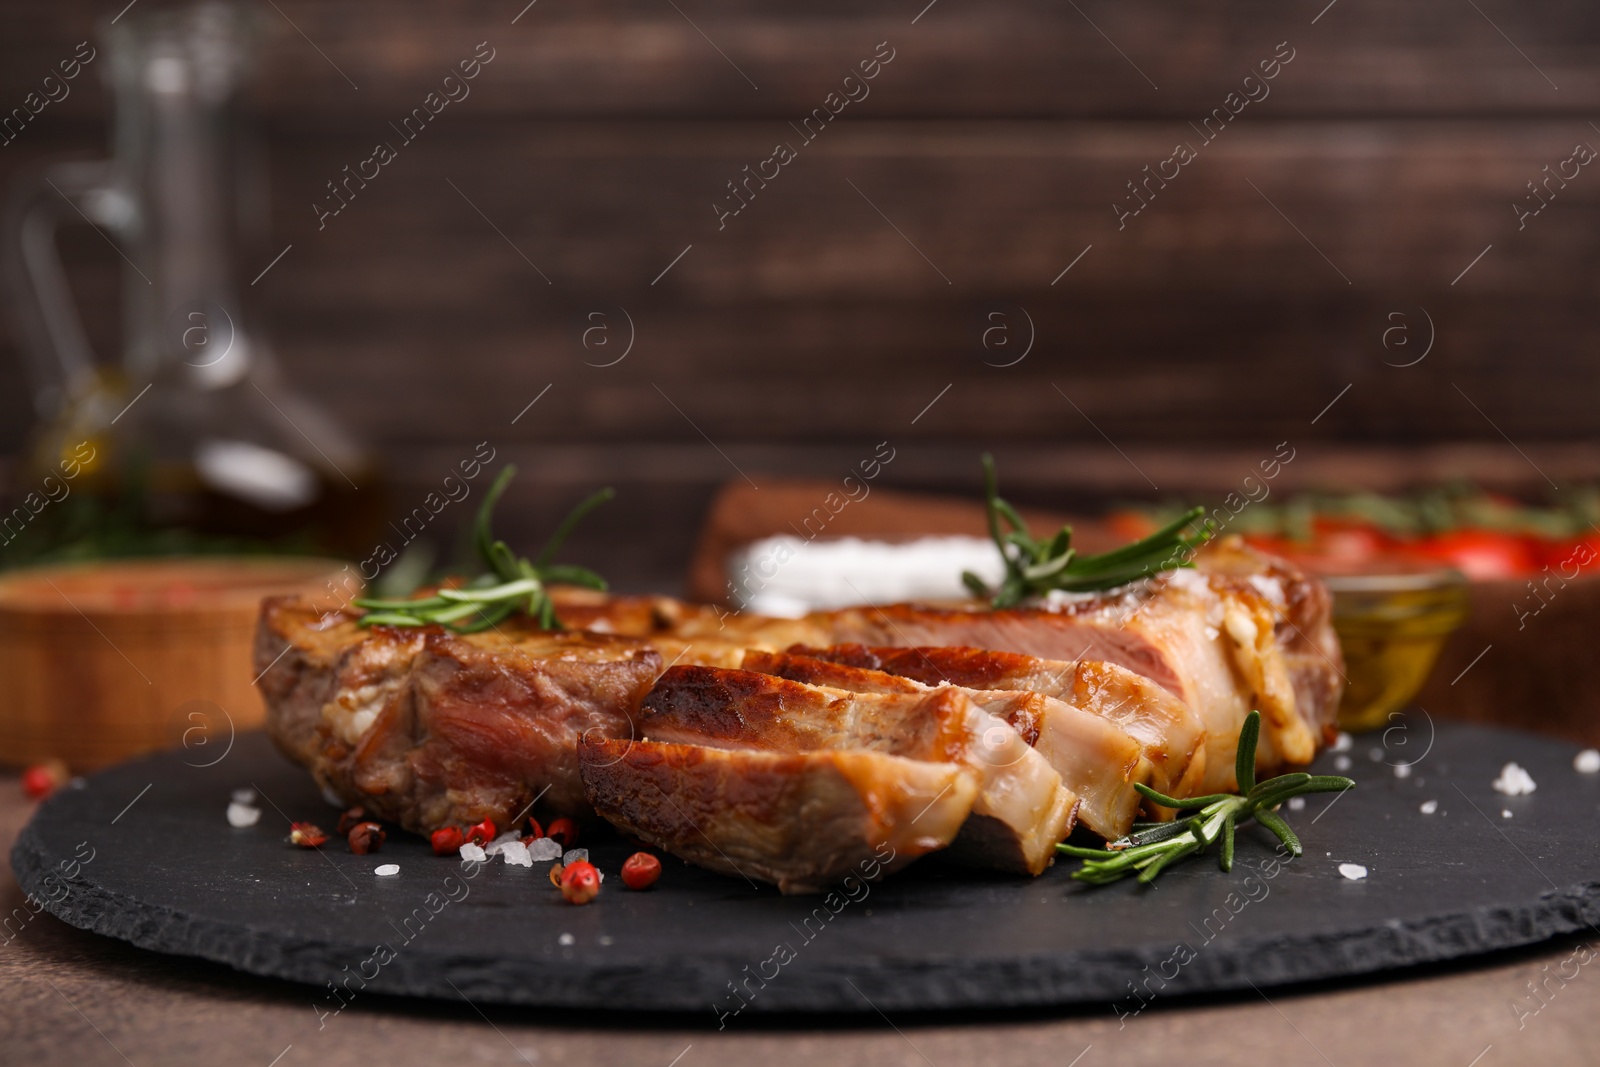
[[428, 728]]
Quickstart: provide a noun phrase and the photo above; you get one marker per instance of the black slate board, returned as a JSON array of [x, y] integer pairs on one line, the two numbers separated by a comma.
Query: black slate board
[[169, 873]]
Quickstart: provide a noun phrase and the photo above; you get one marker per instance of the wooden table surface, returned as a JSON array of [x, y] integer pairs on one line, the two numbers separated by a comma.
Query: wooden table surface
[[71, 997]]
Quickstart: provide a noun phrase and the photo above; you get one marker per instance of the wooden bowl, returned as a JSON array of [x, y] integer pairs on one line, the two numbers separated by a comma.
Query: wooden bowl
[[101, 661]]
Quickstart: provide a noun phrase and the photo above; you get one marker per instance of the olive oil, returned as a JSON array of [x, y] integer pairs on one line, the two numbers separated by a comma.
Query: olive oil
[[1392, 628]]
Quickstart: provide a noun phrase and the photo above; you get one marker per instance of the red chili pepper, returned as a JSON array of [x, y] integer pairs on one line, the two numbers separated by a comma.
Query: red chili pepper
[[535, 831], [580, 882], [481, 834], [447, 841], [307, 835], [42, 779], [640, 871], [366, 837], [348, 820], [555, 875], [564, 831]]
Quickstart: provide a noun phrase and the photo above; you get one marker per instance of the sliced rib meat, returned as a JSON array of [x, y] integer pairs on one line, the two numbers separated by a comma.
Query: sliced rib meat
[[1241, 631], [803, 820], [1022, 808], [1170, 733], [1097, 760]]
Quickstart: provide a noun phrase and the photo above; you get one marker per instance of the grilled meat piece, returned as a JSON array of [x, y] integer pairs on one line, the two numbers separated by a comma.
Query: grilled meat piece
[[1022, 808], [1168, 731], [427, 728], [1096, 760], [804, 820], [1240, 632]]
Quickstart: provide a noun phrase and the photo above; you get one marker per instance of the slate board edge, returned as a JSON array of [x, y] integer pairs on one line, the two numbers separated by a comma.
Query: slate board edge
[[701, 985]]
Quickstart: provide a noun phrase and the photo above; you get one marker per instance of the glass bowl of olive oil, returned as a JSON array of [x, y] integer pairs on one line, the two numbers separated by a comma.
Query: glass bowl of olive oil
[[1392, 628]]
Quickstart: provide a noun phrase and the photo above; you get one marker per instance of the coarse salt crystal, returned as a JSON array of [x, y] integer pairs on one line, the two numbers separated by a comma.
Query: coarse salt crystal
[[1342, 763], [1375, 755], [1505, 813], [567, 939], [1429, 807], [1514, 781], [244, 796], [545, 849], [498, 844], [472, 852], [386, 870], [575, 855], [515, 853], [1297, 803], [1587, 761], [243, 815], [1402, 770], [1353, 871], [1343, 743]]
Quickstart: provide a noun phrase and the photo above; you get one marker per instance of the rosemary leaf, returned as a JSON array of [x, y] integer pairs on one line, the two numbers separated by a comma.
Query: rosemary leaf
[[508, 585], [1035, 567], [1177, 803], [1152, 847], [1244, 763], [1274, 822]]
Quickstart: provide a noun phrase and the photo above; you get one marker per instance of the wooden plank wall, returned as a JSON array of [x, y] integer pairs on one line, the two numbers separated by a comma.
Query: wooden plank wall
[[1365, 182]]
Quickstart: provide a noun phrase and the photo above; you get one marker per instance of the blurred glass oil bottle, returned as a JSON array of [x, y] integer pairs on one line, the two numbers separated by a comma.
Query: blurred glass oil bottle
[[195, 440]]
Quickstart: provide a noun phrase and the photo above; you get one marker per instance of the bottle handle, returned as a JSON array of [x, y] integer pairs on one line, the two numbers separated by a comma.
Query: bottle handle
[[61, 364]]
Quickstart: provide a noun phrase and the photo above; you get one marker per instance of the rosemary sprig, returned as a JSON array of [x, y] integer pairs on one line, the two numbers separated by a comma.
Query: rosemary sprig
[[511, 584], [1152, 847], [1034, 568]]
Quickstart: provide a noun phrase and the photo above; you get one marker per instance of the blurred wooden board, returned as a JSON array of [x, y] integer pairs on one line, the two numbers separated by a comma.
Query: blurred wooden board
[[1541, 673], [104, 660]]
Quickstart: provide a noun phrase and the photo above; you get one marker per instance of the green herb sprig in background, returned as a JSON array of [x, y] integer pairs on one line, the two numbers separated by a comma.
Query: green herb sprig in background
[[1151, 847], [1034, 568], [511, 583]]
